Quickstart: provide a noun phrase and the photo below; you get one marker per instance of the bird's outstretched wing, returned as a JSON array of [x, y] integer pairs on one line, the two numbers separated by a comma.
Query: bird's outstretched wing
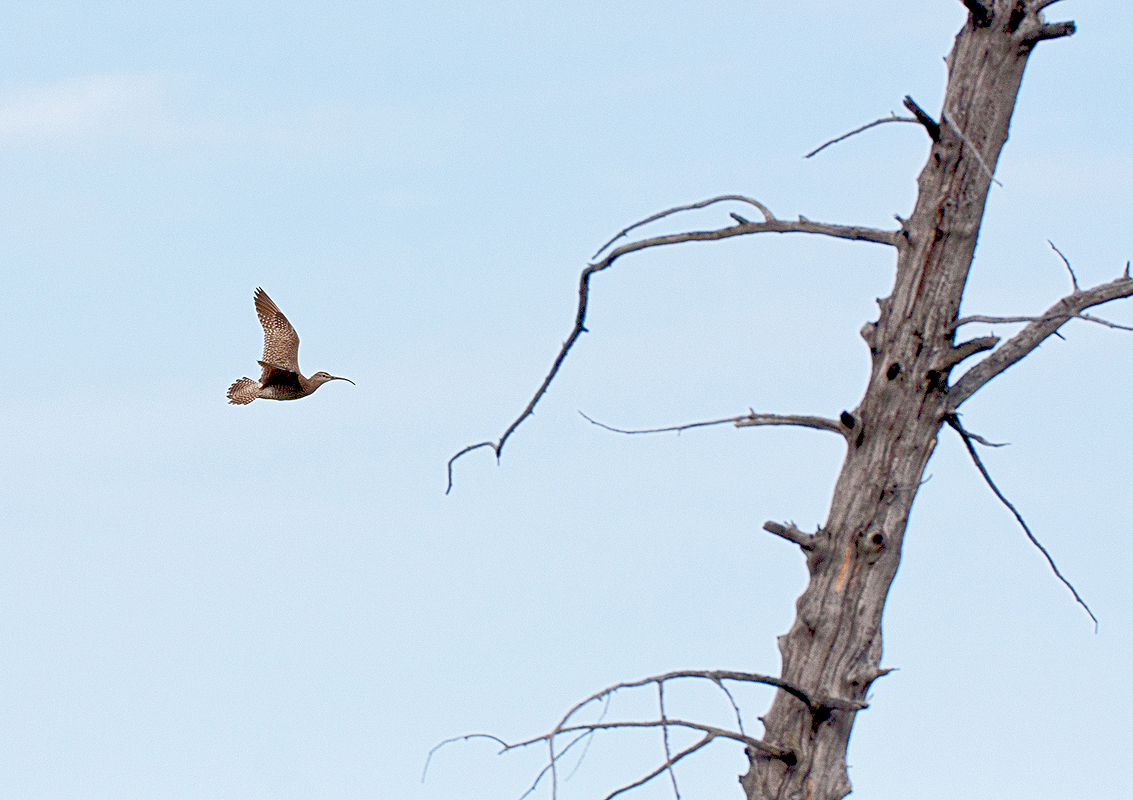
[[281, 342]]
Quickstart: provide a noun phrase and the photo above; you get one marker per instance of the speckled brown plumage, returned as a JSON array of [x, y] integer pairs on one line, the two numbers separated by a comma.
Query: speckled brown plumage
[[280, 378]]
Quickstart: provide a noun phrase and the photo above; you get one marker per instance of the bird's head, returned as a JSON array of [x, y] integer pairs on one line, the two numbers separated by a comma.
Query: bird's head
[[319, 378]]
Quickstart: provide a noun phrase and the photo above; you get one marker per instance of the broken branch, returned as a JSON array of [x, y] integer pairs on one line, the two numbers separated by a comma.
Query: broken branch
[[791, 534], [1055, 30], [981, 15], [772, 225], [967, 350], [923, 118]]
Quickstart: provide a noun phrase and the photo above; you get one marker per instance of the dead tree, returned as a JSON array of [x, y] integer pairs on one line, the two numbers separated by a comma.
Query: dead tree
[[832, 653]]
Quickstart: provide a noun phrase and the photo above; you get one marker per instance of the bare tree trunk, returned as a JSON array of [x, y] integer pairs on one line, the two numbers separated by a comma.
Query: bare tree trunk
[[833, 649], [832, 654]]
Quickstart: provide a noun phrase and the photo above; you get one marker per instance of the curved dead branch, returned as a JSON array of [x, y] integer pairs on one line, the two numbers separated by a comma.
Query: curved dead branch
[[739, 198], [716, 676], [453, 739], [741, 228], [1018, 346]]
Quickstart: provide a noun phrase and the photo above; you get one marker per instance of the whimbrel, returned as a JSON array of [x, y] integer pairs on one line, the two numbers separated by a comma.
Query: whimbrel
[[281, 379]]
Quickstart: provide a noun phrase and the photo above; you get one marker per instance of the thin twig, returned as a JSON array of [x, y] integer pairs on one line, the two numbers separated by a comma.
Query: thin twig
[[728, 693], [975, 437], [739, 198], [1066, 261], [1000, 320], [853, 233], [543, 772], [954, 421], [553, 763], [712, 675], [669, 429], [668, 765], [586, 749], [716, 676], [891, 118], [774, 752], [464, 738], [665, 736], [748, 420]]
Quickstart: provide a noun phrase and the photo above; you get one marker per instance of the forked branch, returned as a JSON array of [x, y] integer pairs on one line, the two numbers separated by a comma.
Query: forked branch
[[741, 228], [1021, 344], [576, 732]]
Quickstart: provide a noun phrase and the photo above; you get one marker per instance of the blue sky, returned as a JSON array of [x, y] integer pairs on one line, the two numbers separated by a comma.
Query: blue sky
[[206, 601]]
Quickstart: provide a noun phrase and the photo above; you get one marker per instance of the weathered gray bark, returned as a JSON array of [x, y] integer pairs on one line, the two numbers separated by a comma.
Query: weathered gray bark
[[833, 649]]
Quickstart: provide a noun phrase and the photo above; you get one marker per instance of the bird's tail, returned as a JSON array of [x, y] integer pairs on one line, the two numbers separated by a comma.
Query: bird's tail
[[243, 391]]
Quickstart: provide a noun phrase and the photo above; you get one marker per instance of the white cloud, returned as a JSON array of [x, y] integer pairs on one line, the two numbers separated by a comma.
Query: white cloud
[[157, 109], [82, 109]]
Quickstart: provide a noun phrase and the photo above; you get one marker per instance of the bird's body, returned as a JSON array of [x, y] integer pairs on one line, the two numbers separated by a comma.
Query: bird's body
[[280, 378]]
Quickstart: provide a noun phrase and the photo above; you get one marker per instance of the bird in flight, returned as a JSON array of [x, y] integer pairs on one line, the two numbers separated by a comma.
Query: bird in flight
[[280, 379]]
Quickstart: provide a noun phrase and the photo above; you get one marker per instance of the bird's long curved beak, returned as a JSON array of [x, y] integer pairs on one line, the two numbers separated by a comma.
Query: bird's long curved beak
[[336, 378]]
